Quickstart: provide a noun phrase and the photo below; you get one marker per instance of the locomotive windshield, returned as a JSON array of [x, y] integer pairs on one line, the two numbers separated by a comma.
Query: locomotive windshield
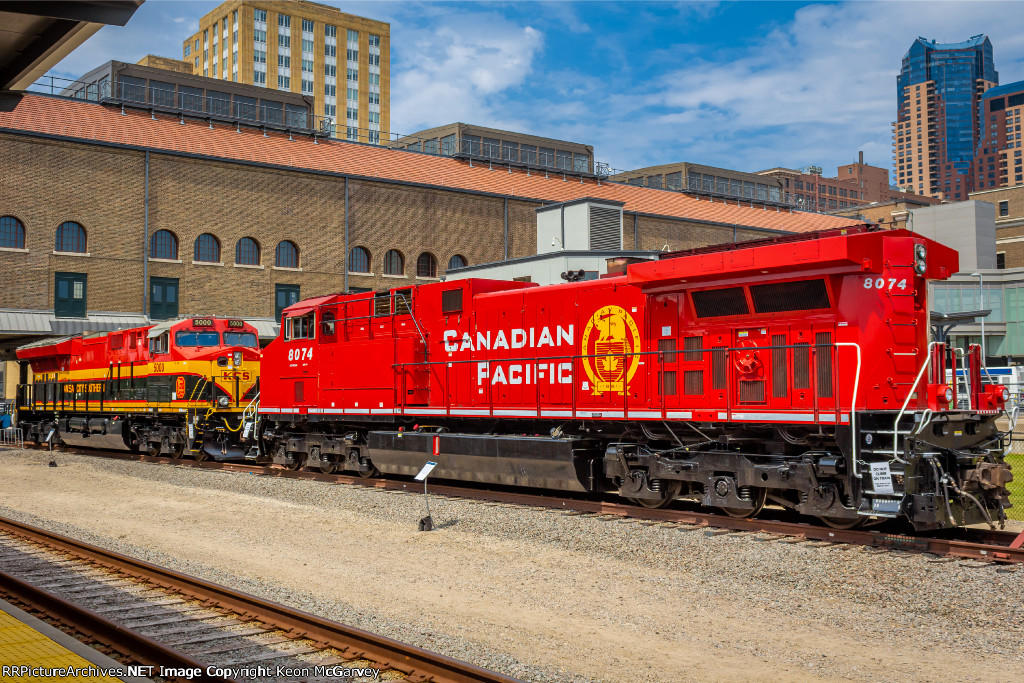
[[197, 338], [240, 339]]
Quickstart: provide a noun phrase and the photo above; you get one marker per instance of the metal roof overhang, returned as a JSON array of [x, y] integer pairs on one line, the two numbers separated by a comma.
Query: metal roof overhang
[[35, 36]]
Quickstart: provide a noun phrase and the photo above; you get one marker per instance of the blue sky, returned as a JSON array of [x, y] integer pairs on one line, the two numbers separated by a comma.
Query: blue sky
[[743, 85]]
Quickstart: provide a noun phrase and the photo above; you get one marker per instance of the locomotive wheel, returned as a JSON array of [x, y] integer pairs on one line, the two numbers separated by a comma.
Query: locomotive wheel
[[668, 494], [199, 454], [153, 448], [300, 461], [177, 450], [328, 467], [842, 522], [760, 496], [372, 472]]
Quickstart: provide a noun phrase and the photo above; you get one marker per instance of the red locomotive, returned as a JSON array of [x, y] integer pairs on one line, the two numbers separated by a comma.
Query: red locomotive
[[796, 370], [182, 387]]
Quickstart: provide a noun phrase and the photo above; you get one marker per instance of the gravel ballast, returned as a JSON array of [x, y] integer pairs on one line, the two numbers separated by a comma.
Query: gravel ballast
[[542, 595]]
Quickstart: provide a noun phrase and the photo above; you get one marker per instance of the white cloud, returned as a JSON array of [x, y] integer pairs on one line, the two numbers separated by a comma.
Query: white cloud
[[459, 69]]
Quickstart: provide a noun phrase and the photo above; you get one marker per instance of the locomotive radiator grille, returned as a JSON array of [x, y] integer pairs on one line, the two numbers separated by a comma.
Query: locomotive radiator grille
[[802, 366], [719, 369], [668, 382], [693, 382], [692, 346], [823, 351], [779, 373], [751, 391]]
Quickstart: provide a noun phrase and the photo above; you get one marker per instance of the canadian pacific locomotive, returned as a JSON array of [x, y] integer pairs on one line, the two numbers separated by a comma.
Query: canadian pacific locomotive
[[797, 371], [183, 387]]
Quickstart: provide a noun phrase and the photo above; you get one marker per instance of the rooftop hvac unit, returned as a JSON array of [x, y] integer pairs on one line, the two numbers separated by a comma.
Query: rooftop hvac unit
[[580, 225]]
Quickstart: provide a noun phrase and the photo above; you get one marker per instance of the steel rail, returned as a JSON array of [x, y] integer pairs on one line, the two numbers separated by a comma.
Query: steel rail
[[352, 642], [124, 640]]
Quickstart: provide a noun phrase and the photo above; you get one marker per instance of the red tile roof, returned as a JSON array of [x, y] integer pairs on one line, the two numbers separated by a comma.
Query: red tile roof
[[92, 122]]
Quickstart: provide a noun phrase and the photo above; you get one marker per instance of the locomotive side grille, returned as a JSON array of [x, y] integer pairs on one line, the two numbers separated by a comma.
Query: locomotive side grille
[[693, 382], [299, 394], [668, 383], [779, 373], [692, 346], [605, 229], [751, 391], [668, 347], [451, 301], [823, 350], [802, 366], [719, 370], [715, 303], [403, 301], [777, 297], [381, 303]]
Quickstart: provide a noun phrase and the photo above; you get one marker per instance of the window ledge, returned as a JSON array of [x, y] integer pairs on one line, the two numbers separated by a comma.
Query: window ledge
[[294, 270], [14, 249], [207, 263], [397, 277], [70, 253], [356, 272], [164, 260], [242, 265], [429, 279]]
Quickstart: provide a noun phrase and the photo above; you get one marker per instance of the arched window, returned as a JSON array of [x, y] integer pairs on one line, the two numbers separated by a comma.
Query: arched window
[[163, 244], [426, 265], [70, 237], [286, 255], [359, 260], [394, 263], [456, 261], [247, 253], [207, 249], [12, 233]]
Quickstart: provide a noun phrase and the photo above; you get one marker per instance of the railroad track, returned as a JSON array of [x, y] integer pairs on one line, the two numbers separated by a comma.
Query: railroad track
[[977, 544], [162, 618]]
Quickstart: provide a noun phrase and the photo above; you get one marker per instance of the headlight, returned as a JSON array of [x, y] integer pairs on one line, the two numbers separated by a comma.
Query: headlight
[[1005, 394], [949, 395], [920, 251], [223, 401], [238, 358], [920, 267]]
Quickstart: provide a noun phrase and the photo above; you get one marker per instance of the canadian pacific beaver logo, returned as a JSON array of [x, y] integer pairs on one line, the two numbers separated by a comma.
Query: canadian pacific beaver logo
[[610, 346]]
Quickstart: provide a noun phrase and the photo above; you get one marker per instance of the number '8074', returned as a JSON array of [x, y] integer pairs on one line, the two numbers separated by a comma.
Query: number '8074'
[[885, 283], [303, 353]]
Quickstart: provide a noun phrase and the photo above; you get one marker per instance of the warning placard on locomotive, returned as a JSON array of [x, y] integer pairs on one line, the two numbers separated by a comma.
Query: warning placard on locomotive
[[881, 477]]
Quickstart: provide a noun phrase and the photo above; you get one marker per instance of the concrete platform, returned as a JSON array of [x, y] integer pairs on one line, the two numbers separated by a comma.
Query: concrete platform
[[27, 641]]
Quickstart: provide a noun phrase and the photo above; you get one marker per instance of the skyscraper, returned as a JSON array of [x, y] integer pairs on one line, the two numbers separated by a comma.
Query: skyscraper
[[341, 60], [999, 161], [938, 95]]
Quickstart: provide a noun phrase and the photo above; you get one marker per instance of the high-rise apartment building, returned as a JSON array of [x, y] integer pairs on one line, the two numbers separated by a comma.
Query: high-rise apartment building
[[999, 162], [341, 60], [938, 95]]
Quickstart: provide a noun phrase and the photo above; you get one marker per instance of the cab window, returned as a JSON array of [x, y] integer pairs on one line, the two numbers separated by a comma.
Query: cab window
[[240, 339], [299, 327], [159, 344], [197, 338]]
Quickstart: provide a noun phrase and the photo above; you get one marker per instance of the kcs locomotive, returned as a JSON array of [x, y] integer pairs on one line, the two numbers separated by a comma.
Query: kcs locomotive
[[177, 388], [797, 371]]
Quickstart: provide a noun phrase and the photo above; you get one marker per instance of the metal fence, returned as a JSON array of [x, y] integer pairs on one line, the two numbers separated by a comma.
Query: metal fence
[[12, 437]]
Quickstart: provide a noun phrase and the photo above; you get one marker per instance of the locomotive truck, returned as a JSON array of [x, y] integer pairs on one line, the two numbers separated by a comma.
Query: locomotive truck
[[797, 371], [186, 387]]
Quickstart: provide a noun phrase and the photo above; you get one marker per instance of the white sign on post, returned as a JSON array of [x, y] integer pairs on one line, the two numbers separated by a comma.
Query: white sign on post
[[427, 469], [881, 477], [49, 436]]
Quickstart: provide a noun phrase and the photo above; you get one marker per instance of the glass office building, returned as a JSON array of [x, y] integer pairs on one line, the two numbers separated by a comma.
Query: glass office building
[[936, 133]]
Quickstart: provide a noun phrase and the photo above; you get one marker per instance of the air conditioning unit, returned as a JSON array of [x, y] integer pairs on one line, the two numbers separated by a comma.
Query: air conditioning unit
[[580, 225]]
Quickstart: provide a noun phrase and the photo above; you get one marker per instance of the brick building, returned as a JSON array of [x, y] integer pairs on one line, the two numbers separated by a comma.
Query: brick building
[[999, 160], [106, 216], [1009, 210], [341, 60]]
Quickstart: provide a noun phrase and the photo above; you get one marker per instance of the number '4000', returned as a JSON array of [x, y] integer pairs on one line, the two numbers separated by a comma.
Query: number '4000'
[[884, 283]]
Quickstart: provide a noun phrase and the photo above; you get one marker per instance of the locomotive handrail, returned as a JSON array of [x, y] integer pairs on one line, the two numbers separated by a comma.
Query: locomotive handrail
[[910, 392], [853, 404], [812, 349]]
